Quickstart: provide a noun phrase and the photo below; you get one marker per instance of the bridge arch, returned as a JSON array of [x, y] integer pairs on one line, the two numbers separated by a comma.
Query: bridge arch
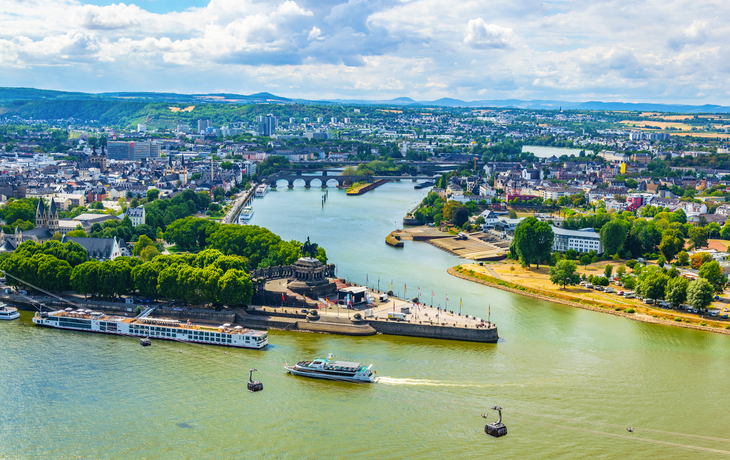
[[332, 182], [298, 181]]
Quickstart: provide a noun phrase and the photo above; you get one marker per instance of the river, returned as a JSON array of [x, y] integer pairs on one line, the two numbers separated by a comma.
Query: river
[[547, 152], [570, 380]]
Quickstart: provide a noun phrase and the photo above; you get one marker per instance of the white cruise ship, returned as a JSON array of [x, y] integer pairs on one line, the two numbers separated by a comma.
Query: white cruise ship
[[8, 313], [154, 328], [261, 190], [246, 213]]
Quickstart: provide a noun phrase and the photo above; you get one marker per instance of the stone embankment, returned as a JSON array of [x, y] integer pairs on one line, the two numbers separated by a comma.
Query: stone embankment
[[364, 188], [636, 317], [394, 240], [486, 335]]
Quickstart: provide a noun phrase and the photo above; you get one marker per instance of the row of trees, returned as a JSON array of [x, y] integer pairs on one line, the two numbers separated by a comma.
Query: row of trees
[[208, 277], [259, 245], [205, 278]]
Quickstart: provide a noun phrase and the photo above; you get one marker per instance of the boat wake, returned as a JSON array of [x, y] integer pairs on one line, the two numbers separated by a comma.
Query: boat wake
[[421, 382]]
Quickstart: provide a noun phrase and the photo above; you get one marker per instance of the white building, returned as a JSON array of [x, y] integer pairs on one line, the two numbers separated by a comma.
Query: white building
[[584, 240], [136, 215], [142, 129], [490, 219]]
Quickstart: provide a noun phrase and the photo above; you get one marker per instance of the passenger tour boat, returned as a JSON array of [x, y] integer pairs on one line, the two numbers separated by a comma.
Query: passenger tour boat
[[8, 313], [328, 369]]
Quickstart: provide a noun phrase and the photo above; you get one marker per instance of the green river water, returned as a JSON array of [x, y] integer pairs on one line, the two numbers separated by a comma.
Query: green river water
[[570, 380]]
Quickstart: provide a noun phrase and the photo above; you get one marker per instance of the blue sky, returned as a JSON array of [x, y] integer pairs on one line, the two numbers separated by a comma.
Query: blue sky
[[611, 50]]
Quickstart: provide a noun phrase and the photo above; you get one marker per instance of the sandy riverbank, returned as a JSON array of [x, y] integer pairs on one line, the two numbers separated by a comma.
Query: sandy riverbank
[[463, 272]]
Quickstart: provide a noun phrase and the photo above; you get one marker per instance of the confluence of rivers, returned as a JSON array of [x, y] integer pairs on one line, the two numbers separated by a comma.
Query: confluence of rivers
[[571, 381]]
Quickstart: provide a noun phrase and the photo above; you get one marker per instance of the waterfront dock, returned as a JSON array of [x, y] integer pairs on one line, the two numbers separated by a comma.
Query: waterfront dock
[[476, 246], [424, 321]]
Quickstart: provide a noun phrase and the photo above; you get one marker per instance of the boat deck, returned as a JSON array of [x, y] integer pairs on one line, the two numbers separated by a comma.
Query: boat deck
[[160, 322]]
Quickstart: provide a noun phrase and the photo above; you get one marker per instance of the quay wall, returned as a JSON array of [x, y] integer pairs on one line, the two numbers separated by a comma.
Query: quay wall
[[489, 335], [366, 188], [209, 316]]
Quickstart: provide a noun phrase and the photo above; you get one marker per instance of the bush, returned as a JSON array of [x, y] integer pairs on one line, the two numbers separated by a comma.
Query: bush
[[679, 320], [630, 310]]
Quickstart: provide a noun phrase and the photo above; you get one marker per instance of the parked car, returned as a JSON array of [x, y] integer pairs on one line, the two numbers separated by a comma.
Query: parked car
[[589, 286], [684, 306], [620, 293], [649, 301], [599, 288], [609, 290], [725, 309], [717, 297], [629, 295], [663, 303]]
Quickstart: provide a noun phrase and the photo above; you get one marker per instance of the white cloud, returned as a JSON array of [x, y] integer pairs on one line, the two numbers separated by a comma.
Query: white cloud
[[315, 34], [662, 50], [480, 35]]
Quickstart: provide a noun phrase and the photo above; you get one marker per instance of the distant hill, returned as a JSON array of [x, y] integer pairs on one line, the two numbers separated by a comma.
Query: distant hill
[[32, 94], [21, 97], [544, 105]]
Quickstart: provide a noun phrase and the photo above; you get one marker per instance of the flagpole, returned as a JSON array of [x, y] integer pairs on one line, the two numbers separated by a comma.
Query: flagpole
[[461, 304]]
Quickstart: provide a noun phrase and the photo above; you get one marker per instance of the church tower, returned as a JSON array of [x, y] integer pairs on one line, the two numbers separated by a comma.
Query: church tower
[[53, 225], [102, 160], [41, 221]]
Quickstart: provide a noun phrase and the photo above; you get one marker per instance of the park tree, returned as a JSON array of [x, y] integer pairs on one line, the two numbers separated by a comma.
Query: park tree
[[713, 272], [585, 259], [152, 195], [725, 232], [699, 258], [512, 214], [620, 271], [672, 242], [629, 282], [682, 258], [676, 290], [608, 271], [149, 253], [563, 273], [85, 277], [700, 293], [78, 233], [653, 285], [461, 216], [141, 244], [698, 236], [145, 278], [235, 288], [533, 241], [613, 235]]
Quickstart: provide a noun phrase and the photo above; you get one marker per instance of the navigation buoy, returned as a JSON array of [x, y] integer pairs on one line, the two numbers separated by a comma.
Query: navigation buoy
[[145, 342], [254, 385], [496, 429]]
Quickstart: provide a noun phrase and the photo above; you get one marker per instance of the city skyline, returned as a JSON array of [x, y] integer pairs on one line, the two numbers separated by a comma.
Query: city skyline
[[360, 49]]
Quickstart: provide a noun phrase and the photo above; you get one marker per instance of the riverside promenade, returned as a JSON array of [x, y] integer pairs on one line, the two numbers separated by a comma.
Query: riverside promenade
[[419, 321]]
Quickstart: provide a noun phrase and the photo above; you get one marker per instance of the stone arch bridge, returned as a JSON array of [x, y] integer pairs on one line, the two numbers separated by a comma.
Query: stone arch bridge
[[324, 180]]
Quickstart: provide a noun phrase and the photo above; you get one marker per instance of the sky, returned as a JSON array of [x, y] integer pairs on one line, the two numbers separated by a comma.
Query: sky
[[664, 51]]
